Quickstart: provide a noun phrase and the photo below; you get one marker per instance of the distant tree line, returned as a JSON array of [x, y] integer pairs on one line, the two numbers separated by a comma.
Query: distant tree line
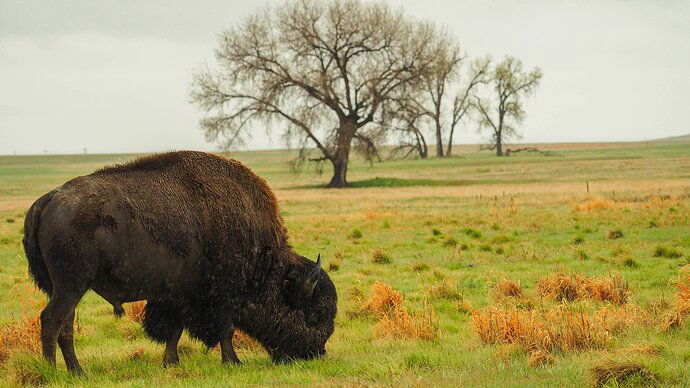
[[338, 76]]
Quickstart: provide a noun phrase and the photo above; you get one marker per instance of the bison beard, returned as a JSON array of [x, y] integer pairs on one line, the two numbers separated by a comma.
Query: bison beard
[[197, 236]]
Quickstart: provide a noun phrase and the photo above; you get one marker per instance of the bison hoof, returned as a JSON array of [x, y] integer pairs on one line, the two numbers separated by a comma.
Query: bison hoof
[[170, 361]]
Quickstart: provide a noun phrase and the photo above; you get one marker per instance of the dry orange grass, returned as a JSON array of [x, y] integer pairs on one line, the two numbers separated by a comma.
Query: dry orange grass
[[24, 333], [382, 299], [506, 288], [540, 357], [135, 311], [556, 329], [399, 323], [597, 204], [654, 201], [562, 287], [681, 306], [242, 340], [395, 320]]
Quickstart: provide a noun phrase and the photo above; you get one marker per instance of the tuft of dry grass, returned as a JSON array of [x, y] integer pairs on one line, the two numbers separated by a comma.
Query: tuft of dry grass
[[382, 299], [400, 323], [333, 265], [547, 330], [615, 234], [620, 370], [562, 287], [380, 257], [242, 340], [445, 289], [540, 357], [506, 288], [681, 306], [135, 311], [555, 329], [24, 333], [395, 320], [597, 204]]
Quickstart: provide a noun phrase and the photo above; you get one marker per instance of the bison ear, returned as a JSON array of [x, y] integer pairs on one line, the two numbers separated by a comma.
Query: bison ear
[[312, 278]]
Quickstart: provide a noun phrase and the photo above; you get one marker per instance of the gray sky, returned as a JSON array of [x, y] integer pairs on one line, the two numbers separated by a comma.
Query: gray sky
[[114, 76]]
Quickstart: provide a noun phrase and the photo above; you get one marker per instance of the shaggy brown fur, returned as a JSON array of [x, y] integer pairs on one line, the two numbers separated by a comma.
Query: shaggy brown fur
[[198, 236]]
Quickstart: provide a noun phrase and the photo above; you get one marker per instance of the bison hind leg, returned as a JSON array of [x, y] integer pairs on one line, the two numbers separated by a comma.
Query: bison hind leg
[[161, 321]]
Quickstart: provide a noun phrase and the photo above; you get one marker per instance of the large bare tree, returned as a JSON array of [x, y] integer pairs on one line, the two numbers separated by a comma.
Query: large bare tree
[[509, 83], [323, 71]]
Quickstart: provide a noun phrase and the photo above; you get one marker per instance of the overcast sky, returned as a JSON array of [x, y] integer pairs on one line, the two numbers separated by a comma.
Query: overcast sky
[[114, 76]]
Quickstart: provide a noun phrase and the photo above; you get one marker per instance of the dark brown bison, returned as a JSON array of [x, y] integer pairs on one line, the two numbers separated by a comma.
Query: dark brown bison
[[199, 237]]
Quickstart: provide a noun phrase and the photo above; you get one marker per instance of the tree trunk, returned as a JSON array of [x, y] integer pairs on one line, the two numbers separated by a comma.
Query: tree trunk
[[499, 145], [346, 132], [423, 149], [339, 178], [439, 141], [449, 149]]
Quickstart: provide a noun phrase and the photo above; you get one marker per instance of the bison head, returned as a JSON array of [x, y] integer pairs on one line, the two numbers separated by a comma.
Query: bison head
[[310, 297]]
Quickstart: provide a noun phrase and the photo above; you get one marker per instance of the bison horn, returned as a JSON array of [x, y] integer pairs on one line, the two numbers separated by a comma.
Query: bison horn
[[312, 278]]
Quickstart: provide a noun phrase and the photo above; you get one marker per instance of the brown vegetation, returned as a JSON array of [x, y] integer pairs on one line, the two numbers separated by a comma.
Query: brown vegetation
[[135, 311], [681, 306], [506, 288], [562, 287], [619, 371], [395, 320], [24, 333]]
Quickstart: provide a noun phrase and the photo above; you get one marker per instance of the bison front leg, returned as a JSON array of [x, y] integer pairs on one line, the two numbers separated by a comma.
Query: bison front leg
[[170, 356], [227, 352]]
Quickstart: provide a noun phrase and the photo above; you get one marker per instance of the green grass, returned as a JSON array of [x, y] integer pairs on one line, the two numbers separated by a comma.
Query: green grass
[[469, 220]]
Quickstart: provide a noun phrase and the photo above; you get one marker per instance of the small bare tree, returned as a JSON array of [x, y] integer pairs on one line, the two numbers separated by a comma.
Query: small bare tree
[[509, 83], [323, 70], [462, 103]]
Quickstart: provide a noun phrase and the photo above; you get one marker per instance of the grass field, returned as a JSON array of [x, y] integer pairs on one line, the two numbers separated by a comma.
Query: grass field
[[465, 240]]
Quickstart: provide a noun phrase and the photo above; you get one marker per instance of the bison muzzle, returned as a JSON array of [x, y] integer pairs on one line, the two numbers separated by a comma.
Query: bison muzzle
[[199, 237]]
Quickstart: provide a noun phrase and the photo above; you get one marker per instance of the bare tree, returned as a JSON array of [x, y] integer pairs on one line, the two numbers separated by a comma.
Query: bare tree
[[462, 103], [510, 83], [323, 70], [436, 82], [407, 120]]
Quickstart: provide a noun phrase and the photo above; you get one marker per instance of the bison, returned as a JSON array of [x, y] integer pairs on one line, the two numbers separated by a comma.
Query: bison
[[199, 237]]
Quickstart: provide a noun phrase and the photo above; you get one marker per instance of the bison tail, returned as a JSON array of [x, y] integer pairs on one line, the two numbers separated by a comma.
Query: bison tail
[[37, 267]]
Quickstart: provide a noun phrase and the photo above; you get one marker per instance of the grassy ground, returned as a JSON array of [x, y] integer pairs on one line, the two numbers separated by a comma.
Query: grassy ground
[[451, 229]]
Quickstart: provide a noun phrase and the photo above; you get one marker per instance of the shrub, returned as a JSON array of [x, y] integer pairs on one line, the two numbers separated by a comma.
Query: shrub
[[630, 263], [380, 257], [10, 220], [436, 232]]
